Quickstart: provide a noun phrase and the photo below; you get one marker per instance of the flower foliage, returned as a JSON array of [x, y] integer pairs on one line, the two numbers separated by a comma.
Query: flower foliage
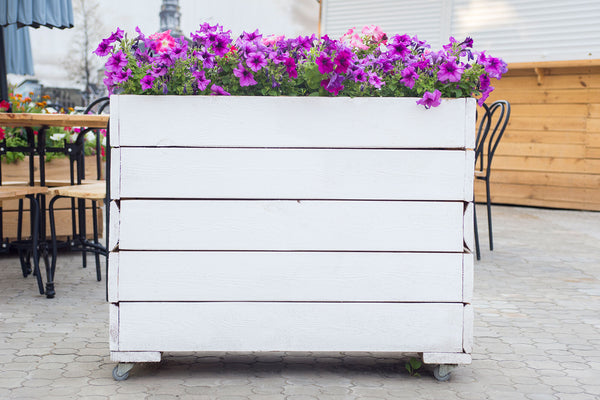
[[361, 63]]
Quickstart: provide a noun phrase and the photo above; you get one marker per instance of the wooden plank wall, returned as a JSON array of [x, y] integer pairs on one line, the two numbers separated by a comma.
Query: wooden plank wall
[[550, 153]]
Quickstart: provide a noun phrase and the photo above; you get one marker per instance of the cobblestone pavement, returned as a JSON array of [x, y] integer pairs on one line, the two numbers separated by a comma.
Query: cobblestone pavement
[[537, 334]]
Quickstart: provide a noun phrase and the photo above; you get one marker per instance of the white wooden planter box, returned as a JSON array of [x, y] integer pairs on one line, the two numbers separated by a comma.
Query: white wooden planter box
[[291, 224]]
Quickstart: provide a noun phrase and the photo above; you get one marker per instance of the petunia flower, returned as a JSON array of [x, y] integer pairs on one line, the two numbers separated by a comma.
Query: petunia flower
[[104, 48], [375, 80], [201, 80], [431, 99], [325, 64], [163, 41], [409, 77], [246, 77], [147, 82], [116, 61], [256, 61], [217, 90], [450, 72]]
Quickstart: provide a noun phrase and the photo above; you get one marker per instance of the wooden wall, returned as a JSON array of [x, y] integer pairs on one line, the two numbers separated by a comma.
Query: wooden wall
[[550, 153]]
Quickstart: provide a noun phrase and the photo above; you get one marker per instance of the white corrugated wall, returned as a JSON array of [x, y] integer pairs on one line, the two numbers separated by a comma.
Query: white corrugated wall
[[516, 30]]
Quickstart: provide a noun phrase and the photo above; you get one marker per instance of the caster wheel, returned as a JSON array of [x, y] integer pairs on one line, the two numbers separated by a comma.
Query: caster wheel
[[442, 372], [119, 377]]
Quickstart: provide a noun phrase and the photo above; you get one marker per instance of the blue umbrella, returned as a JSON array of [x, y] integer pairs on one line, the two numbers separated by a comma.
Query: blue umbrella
[[18, 50], [35, 13]]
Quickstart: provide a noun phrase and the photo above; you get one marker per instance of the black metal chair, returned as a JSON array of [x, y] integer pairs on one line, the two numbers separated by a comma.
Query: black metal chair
[[491, 129], [79, 191]]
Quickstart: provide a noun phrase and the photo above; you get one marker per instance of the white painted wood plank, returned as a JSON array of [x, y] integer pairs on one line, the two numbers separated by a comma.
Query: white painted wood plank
[[286, 276], [113, 326], [238, 121], [291, 225], [468, 277], [470, 122], [255, 326], [116, 173], [113, 277], [135, 356], [115, 119], [114, 227], [295, 174], [469, 227], [446, 358], [469, 175], [468, 328]]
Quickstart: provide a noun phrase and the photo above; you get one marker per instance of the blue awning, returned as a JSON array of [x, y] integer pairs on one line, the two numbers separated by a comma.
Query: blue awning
[[36, 13], [18, 50]]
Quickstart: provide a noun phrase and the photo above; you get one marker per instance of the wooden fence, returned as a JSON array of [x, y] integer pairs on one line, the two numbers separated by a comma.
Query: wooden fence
[[550, 153]]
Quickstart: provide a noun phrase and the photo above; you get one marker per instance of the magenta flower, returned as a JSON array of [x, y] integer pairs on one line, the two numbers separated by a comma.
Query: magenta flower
[[431, 99], [104, 48], [342, 61], [217, 90], [360, 75], [116, 61], [246, 77], [450, 71], [333, 84], [122, 76], [201, 80], [256, 61], [147, 82], [116, 35], [484, 82], [375, 80], [485, 95], [409, 77], [495, 67], [290, 66], [325, 64]]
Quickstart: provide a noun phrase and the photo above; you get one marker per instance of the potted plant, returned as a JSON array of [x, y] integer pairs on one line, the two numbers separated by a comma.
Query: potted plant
[[292, 194]]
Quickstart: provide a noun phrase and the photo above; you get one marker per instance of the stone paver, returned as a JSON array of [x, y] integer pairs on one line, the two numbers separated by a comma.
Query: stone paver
[[537, 334]]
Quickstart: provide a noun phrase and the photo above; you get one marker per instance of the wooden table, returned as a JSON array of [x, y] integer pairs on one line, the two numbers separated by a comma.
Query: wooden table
[[35, 120], [42, 122]]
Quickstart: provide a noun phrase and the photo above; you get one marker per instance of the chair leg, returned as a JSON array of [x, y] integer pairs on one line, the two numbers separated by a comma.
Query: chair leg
[[50, 293], [35, 216], [476, 231], [96, 241], [489, 213], [82, 231]]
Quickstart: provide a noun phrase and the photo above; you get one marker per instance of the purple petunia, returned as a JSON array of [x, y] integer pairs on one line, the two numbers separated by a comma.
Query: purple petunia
[[201, 80], [409, 77], [324, 63], [246, 77], [375, 80], [256, 61], [431, 99], [116, 61], [217, 90], [147, 82], [450, 72], [287, 66], [104, 48]]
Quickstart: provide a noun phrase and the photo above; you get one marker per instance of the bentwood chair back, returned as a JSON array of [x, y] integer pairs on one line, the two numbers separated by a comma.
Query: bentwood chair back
[[492, 125]]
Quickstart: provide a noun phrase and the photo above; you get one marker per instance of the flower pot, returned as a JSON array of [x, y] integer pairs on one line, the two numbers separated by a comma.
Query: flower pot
[[291, 224]]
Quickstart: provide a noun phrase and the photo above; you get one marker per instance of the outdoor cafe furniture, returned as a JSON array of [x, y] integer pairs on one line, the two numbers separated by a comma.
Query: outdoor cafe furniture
[[30, 246], [492, 125], [39, 148]]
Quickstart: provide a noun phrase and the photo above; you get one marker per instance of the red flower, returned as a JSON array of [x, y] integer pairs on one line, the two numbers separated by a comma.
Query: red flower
[[2, 134], [4, 105]]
